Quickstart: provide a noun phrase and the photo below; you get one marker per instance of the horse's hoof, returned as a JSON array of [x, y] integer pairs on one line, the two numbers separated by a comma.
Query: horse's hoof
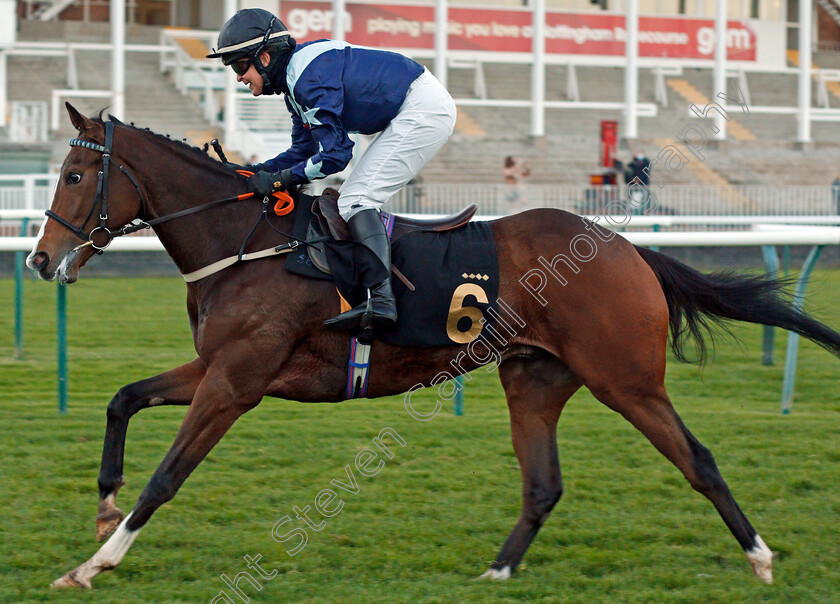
[[761, 560], [68, 581], [107, 523], [497, 574], [764, 572]]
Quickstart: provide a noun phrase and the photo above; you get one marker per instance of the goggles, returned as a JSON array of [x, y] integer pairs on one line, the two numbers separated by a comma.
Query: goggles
[[241, 66]]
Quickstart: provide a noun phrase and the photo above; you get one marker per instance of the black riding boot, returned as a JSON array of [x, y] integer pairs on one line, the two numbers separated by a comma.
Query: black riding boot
[[367, 229]]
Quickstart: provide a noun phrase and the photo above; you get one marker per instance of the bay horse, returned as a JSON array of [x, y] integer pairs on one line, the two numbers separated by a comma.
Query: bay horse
[[257, 330]]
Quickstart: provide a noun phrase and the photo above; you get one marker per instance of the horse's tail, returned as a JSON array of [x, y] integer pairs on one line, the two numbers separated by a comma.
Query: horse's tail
[[694, 299]]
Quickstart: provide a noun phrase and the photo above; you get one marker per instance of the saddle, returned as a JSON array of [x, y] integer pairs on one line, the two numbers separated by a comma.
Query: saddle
[[327, 221]]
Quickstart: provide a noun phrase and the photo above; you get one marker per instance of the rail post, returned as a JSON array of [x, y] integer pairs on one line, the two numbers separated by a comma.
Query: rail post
[[62, 347], [19, 269], [458, 408], [771, 261], [793, 338]]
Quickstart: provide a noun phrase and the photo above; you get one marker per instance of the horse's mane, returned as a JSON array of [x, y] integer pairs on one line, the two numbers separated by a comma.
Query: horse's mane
[[177, 146], [201, 156]]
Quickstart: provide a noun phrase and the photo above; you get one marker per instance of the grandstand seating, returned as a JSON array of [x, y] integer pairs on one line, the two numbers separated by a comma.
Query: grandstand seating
[[570, 150], [485, 135], [151, 100]]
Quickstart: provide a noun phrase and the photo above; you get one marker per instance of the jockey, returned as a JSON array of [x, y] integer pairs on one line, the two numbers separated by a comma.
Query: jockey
[[332, 89]]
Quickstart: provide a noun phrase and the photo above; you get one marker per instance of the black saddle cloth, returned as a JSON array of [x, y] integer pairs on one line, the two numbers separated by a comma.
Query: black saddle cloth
[[455, 274]]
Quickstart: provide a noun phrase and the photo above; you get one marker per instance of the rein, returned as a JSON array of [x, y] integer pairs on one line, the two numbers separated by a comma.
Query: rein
[[284, 205]]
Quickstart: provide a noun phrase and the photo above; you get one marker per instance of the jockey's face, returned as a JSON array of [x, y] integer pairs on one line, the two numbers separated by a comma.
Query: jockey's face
[[252, 77]]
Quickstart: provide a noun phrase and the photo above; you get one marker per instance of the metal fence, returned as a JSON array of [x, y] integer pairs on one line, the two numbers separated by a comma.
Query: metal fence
[[35, 191], [26, 191], [698, 200]]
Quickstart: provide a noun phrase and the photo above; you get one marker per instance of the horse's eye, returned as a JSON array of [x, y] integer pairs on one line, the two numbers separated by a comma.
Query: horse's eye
[[74, 178]]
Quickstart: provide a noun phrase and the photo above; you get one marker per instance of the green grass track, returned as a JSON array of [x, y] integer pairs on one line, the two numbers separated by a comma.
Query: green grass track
[[628, 528]]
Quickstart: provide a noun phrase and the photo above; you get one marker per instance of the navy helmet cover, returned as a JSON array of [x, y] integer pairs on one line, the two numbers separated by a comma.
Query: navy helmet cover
[[247, 33]]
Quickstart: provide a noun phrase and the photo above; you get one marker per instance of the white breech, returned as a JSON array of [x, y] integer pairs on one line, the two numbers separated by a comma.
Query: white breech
[[424, 123]]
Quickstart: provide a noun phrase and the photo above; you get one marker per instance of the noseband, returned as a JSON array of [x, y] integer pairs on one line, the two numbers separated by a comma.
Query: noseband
[[101, 197]]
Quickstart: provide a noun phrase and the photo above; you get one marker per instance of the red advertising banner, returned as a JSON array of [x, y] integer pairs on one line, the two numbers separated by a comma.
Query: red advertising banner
[[510, 30]]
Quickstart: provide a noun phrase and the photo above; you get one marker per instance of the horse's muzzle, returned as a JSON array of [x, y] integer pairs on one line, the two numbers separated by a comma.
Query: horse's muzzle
[[40, 262]]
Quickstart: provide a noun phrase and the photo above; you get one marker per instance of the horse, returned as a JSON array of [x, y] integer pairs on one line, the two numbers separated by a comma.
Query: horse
[[597, 315]]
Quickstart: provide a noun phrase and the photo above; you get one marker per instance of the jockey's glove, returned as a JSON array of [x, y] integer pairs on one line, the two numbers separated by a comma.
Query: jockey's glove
[[265, 183]]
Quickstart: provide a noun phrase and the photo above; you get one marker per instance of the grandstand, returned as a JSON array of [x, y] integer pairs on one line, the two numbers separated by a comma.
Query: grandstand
[[759, 150], [572, 144], [152, 99], [172, 89]]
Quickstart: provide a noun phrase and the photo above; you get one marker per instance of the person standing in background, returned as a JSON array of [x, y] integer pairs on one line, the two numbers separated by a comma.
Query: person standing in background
[[835, 193], [637, 181], [514, 172]]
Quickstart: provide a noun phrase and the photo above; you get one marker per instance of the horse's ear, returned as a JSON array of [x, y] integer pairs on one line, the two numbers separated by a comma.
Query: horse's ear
[[80, 122]]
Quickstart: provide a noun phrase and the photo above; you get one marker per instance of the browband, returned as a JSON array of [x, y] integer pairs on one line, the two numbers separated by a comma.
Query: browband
[[77, 142]]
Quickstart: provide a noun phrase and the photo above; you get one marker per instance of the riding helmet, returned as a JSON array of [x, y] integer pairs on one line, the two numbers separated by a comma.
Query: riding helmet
[[249, 32]]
